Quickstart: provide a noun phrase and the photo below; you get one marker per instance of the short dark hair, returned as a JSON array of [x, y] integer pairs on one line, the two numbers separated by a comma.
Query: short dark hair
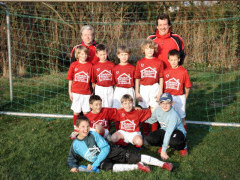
[[94, 98], [101, 47], [162, 17], [80, 119], [174, 52]]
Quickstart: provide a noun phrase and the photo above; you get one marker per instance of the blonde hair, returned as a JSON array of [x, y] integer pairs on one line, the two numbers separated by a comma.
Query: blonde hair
[[123, 49], [126, 97], [148, 43], [79, 49]]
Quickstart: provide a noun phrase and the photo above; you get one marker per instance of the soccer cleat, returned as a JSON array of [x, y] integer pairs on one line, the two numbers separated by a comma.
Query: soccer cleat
[[73, 135], [160, 150], [143, 168], [167, 166], [183, 152]]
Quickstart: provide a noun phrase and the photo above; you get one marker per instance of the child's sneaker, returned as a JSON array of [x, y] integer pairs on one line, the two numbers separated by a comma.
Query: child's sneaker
[[143, 168], [183, 152], [160, 150], [73, 135], [167, 166]]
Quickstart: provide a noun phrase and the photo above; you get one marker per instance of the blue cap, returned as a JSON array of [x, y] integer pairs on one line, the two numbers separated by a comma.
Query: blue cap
[[166, 97]]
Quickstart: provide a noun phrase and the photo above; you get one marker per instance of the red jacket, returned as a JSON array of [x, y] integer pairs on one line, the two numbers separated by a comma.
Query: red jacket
[[165, 44], [92, 57]]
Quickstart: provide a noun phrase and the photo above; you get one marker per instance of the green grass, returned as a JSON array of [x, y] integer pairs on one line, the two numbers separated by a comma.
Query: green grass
[[34, 148], [37, 149]]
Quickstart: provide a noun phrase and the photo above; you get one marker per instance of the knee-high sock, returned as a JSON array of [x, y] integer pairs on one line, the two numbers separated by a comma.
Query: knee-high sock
[[151, 160], [124, 167], [74, 121]]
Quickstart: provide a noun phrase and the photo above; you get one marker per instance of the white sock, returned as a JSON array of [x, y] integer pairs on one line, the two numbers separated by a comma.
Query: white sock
[[124, 167], [151, 160]]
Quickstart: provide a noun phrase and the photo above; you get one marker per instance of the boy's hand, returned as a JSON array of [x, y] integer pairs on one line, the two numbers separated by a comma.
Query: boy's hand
[[89, 167], [164, 155], [139, 97], [74, 170], [157, 97], [71, 96]]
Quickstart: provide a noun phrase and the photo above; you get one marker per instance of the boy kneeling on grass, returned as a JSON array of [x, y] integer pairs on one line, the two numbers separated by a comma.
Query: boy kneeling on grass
[[172, 133], [92, 147]]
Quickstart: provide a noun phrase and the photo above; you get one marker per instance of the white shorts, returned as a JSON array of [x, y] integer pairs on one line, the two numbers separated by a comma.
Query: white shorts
[[106, 94], [118, 94], [148, 94], [80, 103], [180, 105], [106, 133], [128, 136]]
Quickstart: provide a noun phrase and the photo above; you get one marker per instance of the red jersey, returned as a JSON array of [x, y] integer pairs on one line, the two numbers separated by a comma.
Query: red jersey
[[81, 75], [175, 80], [92, 57], [103, 118], [129, 121], [165, 44], [149, 71], [124, 75], [102, 74]]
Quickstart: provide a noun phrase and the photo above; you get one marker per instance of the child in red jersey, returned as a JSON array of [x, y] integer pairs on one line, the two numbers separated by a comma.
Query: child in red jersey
[[149, 79], [103, 77], [100, 118], [79, 76], [123, 74], [130, 118], [176, 81]]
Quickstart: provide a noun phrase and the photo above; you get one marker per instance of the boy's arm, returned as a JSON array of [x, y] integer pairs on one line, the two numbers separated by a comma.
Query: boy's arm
[[104, 147], [138, 95], [160, 89], [153, 118], [172, 125], [70, 89], [72, 158], [187, 90]]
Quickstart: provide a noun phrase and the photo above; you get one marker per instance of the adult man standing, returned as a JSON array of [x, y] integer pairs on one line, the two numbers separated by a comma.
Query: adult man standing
[[167, 40], [87, 36]]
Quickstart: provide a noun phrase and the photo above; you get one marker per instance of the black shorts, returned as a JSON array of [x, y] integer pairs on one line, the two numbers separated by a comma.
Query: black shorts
[[119, 155]]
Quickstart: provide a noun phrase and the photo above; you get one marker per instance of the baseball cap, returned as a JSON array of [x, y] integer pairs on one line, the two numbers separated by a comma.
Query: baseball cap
[[166, 97]]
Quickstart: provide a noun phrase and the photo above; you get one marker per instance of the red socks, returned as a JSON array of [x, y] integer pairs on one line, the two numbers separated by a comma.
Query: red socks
[[154, 126], [120, 142], [185, 127]]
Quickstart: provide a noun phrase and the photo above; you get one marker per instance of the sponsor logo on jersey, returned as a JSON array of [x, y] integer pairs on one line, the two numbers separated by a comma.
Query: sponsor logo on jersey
[[91, 153], [173, 84], [124, 79], [148, 73], [102, 122], [128, 125], [81, 77], [105, 76]]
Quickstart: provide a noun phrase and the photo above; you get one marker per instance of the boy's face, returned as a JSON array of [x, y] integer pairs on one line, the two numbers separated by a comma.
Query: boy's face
[[165, 105], [87, 37], [173, 60], [82, 56], [123, 57], [102, 56], [127, 105], [96, 106], [149, 52], [163, 26], [84, 128]]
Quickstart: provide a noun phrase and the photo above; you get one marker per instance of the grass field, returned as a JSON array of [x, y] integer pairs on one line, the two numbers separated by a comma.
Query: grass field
[[34, 148], [37, 149]]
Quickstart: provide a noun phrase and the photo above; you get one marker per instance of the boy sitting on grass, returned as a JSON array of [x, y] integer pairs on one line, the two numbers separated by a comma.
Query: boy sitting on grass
[[129, 118], [92, 147], [100, 118], [172, 133]]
